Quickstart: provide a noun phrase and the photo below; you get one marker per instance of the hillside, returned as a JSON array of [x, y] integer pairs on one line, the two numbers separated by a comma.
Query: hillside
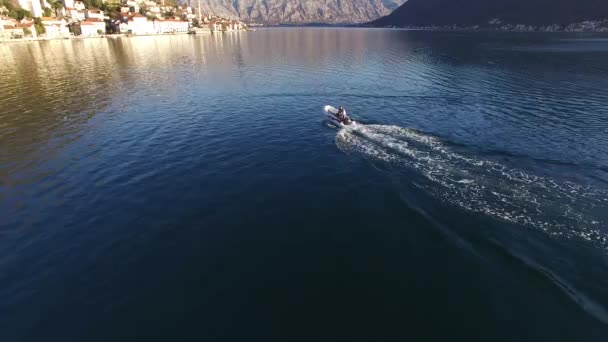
[[301, 11], [10, 4], [480, 12]]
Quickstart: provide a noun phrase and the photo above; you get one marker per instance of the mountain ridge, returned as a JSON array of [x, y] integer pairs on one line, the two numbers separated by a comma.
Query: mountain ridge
[[301, 11], [482, 12]]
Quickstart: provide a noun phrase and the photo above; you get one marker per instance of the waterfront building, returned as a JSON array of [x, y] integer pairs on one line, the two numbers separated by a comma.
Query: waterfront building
[[29, 26], [94, 13], [9, 28], [171, 26], [76, 15], [55, 28], [136, 24], [91, 27]]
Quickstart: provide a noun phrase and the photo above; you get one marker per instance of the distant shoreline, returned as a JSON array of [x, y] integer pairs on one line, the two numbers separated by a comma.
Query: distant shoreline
[[450, 29], [597, 26]]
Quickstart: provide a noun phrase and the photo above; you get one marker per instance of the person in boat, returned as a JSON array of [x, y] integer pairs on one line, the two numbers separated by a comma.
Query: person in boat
[[342, 114]]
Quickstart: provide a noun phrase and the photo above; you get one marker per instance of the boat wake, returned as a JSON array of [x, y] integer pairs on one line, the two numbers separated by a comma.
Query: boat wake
[[455, 175]]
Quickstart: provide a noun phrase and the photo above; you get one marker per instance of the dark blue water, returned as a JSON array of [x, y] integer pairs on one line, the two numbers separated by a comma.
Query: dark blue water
[[188, 188]]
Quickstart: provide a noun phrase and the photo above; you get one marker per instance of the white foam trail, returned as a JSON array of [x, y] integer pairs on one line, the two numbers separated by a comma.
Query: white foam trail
[[562, 209]]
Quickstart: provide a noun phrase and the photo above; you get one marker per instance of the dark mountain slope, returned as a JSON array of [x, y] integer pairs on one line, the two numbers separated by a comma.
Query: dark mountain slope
[[479, 12]]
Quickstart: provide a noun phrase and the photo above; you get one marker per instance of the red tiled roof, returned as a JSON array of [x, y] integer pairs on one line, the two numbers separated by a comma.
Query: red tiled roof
[[10, 21]]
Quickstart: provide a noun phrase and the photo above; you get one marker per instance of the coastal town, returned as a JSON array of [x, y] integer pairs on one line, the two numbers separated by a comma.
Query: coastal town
[[65, 19]]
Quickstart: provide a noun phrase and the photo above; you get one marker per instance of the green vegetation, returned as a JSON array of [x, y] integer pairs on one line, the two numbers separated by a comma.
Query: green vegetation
[[75, 29], [57, 5], [13, 11], [27, 31], [4, 9], [39, 27], [169, 14], [47, 12], [93, 3], [100, 32], [9, 5], [111, 10], [20, 13]]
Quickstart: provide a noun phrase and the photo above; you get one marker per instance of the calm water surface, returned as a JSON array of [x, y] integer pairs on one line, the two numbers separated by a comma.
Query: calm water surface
[[188, 188]]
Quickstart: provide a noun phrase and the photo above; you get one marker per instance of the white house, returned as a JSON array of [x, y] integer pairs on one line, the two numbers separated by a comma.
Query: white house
[[68, 3], [132, 4], [137, 24], [76, 15], [171, 26], [79, 5], [9, 28], [94, 13], [55, 28], [234, 26], [33, 6], [91, 27], [28, 26]]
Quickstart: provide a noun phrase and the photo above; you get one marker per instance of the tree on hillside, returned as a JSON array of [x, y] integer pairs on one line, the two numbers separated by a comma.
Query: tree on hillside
[[57, 5], [110, 8], [169, 14], [3, 8], [93, 3], [20, 13], [6, 6], [39, 27]]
